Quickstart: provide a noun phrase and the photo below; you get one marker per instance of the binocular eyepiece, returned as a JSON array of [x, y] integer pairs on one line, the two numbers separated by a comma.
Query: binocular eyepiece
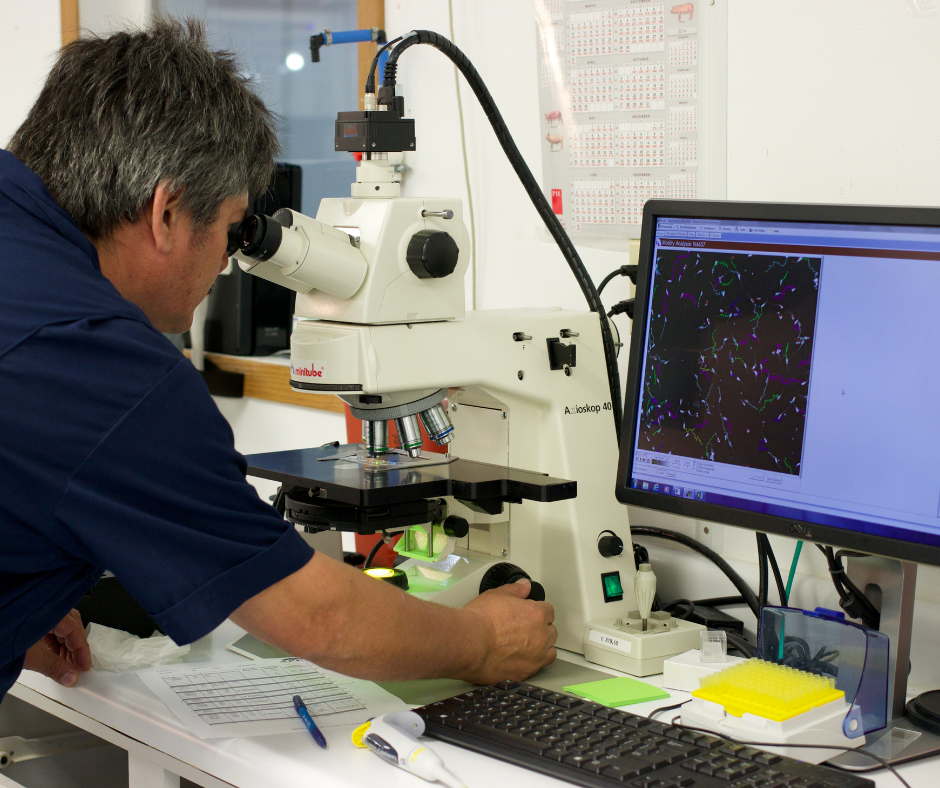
[[257, 237]]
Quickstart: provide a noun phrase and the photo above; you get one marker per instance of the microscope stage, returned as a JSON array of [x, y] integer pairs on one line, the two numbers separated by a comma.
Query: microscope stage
[[349, 482]]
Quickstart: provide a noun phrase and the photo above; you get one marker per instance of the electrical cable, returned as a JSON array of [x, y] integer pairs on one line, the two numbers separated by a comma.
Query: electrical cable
[[793, 563], [668, 708], [372, 553], [624, 270], [874, 757], [670, 607], [775, 569], [720, 601], [737, 641], [851, 599], [762, 566], [466, 170], [531, 186], [370, 80], [739, 583]]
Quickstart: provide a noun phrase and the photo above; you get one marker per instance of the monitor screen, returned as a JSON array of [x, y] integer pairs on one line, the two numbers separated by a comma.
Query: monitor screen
[[785, 372]]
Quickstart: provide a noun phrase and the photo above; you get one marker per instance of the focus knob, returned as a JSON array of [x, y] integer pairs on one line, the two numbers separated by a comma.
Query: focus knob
[[432, 254], [610, 545], [503, 574]]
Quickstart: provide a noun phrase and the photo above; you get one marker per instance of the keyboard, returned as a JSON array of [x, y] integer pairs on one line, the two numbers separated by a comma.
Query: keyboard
[[596, 746]]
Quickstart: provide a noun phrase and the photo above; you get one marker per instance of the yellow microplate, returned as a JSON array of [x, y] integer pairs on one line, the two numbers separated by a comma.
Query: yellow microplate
[[767, 690]]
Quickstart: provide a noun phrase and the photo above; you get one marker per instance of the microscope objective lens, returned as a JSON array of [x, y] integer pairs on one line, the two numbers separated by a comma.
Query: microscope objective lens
[[375, 436], [437, 423], [409, 435]]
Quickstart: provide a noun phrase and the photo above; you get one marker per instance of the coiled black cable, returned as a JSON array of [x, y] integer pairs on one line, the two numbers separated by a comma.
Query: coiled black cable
[[739, 583], [529, 183]]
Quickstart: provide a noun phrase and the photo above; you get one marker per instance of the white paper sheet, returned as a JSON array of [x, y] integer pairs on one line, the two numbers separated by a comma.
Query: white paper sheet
[[256, 698]]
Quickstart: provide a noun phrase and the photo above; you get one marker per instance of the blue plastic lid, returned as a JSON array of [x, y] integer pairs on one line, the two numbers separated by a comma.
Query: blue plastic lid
[[824, 643]]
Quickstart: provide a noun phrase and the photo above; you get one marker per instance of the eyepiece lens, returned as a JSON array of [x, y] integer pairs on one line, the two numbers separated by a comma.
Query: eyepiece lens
[[248, 232]]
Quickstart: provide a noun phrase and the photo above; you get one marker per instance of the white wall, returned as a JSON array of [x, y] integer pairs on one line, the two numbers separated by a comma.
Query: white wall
[[833, 102], [103, 16], [30, 35]]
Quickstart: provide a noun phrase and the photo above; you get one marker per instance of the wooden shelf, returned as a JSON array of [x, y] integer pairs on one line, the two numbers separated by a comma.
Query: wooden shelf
[[270, 379]]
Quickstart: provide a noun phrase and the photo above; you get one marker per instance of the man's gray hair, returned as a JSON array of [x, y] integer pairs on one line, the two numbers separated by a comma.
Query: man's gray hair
[[119, 115]]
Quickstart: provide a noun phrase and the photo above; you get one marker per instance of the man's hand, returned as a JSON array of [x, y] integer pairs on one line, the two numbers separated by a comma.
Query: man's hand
[[521, 634], [62, 653]]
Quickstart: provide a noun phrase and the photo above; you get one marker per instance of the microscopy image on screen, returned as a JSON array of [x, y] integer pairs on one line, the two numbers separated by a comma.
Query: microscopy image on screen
[[729, 349]]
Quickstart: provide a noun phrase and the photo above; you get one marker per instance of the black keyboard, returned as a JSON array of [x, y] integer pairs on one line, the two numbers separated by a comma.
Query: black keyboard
[[596, 746]]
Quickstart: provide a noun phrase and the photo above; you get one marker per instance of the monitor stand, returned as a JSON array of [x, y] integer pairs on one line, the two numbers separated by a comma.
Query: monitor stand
[[901, 740]]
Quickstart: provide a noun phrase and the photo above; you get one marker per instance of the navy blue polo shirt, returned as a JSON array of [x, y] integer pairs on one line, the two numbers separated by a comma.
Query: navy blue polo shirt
[[112, 453]]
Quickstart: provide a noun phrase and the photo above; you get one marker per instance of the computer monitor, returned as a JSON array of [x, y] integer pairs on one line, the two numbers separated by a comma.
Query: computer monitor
[[784, 376], [784, 372]]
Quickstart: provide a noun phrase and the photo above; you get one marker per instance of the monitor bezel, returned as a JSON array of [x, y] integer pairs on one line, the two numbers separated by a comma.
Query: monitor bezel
[[891, 547]]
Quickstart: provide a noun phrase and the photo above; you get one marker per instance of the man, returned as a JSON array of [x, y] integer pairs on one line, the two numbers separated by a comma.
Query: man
[[115, 199]]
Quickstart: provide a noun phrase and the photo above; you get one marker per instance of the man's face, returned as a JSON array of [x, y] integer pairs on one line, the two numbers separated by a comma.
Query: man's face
[[198, 258]]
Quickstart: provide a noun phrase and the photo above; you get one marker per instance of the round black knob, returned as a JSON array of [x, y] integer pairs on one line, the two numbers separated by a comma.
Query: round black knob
[[610, 545], [432, 254], [505, 573], [456, 526]]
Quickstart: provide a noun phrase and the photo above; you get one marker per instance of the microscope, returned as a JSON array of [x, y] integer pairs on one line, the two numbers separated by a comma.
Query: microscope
[[518, 397]]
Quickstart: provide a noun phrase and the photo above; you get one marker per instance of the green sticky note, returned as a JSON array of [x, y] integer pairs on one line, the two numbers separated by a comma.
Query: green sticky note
[[618, 691]]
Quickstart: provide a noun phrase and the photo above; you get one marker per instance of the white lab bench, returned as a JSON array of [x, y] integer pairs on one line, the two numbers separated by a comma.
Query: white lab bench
[[118, 708]]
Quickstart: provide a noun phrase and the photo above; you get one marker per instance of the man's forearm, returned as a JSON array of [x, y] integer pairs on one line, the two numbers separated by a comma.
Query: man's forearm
[[341, 619]]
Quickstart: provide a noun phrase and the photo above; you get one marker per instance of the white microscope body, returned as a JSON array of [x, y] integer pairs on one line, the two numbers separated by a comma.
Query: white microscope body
[[402, 342]]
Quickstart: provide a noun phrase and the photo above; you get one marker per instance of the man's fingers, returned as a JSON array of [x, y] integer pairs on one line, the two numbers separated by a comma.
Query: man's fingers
[[72, 635], [548, 611], [518, 589], [42, 660]]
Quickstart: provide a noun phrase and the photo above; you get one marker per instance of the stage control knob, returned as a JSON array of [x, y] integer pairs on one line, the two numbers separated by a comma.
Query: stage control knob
[[456, 526], [432, 254], [610, 545], [503, 574]]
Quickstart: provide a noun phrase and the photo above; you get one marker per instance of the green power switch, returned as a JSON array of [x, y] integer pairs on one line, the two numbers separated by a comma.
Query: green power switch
[[613, 590]]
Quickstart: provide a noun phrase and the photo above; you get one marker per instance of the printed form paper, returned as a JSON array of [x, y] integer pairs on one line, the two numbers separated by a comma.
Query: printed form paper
[[253, 699]]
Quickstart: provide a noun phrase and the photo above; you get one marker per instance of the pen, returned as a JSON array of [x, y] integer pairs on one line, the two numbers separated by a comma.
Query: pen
[[308, 721]]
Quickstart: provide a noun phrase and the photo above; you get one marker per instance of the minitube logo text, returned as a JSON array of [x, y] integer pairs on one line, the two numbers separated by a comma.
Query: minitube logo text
[[315, 370]]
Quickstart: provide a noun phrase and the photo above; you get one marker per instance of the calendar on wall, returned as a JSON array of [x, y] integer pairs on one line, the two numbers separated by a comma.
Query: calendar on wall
[[631, 98]]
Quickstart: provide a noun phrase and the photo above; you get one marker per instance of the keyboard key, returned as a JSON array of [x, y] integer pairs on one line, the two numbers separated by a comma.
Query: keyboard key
[[577, 760], [595, 766], [708, 742], [504, 737], [624, 768], [766, 758], [567, 702], [508, 685]]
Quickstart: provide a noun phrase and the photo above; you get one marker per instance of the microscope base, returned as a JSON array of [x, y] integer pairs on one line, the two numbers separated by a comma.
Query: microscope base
[[639, 653], [452, 582]]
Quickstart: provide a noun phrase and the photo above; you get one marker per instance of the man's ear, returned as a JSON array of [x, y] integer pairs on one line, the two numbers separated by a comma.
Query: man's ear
[[165, 216]]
